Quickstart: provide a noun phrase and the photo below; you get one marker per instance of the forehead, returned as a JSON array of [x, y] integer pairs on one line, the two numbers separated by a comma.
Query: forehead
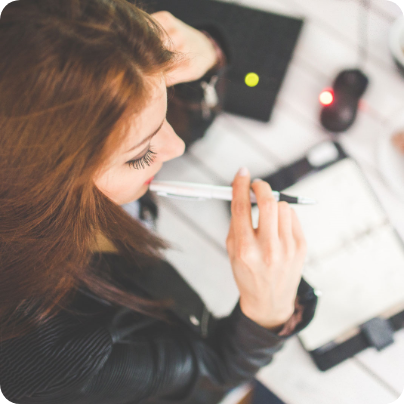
[[150, 117], [158, 94], [154, 111]]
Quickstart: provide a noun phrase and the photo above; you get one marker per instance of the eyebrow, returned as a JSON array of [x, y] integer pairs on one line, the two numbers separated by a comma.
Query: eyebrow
[[147, 138]]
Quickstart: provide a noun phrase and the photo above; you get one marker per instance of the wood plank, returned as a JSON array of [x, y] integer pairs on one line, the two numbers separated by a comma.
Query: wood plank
[[389, 200], [295, 379], [386, 9], [287, 136], [344, 20], [387, 364], [225, 153]]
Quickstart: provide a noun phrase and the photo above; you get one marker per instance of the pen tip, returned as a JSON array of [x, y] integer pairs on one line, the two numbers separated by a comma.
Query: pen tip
[[307, 201]]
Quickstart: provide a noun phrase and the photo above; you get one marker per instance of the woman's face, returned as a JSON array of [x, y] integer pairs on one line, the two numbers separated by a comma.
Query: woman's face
[[149, 142]]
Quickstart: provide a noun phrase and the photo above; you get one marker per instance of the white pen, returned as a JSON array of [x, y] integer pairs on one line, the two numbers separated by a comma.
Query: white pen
[[200, 192]]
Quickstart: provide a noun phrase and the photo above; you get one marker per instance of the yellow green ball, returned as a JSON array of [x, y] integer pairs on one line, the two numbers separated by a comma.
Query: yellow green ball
[[252, 79]]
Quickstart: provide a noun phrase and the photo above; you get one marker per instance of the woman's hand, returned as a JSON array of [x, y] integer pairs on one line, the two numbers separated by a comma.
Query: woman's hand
[[198, 53], [267, 262]]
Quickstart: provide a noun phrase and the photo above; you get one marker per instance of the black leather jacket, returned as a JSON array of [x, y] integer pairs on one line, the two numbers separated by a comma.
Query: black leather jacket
[[94, 352]]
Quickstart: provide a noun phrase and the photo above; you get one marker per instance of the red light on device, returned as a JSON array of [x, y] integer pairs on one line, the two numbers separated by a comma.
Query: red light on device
[[326, 97]]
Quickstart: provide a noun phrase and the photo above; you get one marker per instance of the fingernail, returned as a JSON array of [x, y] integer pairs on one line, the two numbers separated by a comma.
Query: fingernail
[[243, 172], [257, 180]]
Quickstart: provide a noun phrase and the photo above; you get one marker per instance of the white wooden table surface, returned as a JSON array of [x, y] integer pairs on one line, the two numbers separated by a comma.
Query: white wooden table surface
[[328, 44]]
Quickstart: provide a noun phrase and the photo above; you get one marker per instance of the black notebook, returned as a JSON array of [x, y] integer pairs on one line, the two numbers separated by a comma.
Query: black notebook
[[258, 42]]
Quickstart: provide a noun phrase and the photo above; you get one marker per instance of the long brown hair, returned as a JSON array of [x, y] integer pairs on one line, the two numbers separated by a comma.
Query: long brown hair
[[71, 73]]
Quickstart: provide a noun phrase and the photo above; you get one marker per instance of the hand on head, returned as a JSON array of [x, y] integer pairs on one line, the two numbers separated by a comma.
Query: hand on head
[[197, 54]]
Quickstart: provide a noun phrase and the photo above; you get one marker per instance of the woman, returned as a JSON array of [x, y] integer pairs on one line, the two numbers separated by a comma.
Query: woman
[[89, 311]]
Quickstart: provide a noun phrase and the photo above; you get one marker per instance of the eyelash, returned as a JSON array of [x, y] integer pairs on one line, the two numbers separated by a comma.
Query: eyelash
[[146, 160]]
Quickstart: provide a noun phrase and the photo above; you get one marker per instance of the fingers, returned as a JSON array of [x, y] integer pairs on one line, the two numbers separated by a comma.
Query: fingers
[[165, 18], [230, 239], [174, 29], [285, 229], [241, 207], [168, 22], [268, 210], [195, 53], [278, 221], [298, 235]]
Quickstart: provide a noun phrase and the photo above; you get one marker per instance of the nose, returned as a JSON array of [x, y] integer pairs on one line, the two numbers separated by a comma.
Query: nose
[[172, 145]]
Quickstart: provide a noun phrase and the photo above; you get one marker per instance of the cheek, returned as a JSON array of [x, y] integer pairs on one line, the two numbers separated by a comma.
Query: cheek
[[122, 186]]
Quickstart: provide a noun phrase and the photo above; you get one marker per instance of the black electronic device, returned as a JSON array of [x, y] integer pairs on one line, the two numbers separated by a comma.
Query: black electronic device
[[340, 105], [260, 45]]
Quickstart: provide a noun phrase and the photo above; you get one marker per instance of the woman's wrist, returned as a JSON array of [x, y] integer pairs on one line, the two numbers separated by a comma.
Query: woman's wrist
[[281, 327], [220, 57], [295, 319], [270, 321]]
